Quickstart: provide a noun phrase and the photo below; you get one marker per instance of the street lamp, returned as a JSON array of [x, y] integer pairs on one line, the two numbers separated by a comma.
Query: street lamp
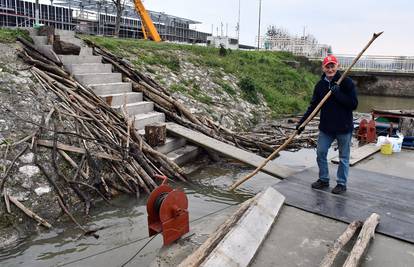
[[260, 17]]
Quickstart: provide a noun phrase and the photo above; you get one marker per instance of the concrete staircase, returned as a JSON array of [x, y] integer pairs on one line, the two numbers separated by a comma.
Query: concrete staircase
[[90, 71]]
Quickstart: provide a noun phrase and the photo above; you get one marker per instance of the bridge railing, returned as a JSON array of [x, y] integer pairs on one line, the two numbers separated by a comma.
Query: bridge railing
[[377, 63]]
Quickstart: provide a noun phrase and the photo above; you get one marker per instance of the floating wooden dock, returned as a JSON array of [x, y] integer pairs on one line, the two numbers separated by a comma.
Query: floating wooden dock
[[359, 154], [230, 151]]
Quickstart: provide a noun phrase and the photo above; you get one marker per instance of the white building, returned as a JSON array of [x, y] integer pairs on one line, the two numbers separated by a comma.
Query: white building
[[280, 40], [226, 42]]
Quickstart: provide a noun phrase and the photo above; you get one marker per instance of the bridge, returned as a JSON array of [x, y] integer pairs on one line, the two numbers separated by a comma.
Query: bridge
[[379, 64]]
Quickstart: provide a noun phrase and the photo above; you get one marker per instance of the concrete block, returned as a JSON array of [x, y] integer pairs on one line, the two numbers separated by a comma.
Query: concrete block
[[40, 40], [65, 33], [120, 99], [73, 40], [241, 243], [143, 119], [184, 154], [172, 143], [94, 78], [111, 88], [89, 68], [137, 108], [72, 59], [86, 51]]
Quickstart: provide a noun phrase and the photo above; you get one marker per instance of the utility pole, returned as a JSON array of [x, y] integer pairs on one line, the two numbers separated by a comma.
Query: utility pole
[[227, 29], [260, 18], [238, 25]]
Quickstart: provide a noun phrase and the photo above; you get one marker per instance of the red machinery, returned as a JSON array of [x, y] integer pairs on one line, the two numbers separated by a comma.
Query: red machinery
[[367, 131], [167, 212]]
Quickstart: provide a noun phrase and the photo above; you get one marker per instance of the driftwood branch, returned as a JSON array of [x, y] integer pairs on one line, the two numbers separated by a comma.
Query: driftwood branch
[[30, 213], [342, 240], [364, 237]]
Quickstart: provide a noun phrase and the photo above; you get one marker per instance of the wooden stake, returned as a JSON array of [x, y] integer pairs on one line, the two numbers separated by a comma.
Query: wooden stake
[[310, 117], [340, 243], [361, 245], [30, 213], [6, 200]]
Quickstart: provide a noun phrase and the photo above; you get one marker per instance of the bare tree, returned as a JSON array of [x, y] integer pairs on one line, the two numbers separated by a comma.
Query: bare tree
[[119, 6]]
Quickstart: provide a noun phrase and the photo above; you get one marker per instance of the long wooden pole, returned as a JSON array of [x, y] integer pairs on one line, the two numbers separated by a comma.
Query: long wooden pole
[[310, 117]]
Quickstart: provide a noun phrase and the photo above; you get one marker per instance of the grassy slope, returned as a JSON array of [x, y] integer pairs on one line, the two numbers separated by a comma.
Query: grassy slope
[[10, 35], [285, 89]]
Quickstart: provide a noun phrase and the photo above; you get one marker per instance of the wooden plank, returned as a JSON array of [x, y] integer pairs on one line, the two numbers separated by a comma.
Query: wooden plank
[[202, 252], [60, 146], [230, 151], [243, 240], [359, 154]]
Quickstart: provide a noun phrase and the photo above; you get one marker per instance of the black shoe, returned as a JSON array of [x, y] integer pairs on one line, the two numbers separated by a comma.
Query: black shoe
[[320, 184], [339, 189]]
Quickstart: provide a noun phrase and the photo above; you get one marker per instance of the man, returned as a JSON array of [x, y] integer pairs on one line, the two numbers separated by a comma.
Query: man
[[336, 122]]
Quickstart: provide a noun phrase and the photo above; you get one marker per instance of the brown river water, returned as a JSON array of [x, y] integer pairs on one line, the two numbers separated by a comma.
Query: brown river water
[[125, 229]]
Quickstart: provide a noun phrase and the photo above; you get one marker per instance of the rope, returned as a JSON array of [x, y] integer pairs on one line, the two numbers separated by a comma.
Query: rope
[[140, 239]]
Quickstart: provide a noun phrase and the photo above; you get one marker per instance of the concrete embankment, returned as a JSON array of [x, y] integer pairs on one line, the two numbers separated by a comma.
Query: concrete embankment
[[384, 84]]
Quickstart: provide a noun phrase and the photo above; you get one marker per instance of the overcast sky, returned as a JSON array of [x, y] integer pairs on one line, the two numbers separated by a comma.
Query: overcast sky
[[346, 25]]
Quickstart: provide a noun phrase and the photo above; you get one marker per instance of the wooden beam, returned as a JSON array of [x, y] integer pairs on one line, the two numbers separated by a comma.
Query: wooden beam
[[60, 146], [230, 151]]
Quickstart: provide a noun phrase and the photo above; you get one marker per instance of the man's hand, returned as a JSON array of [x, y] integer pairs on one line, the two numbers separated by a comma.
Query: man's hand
[[334, 88], [299, 129]]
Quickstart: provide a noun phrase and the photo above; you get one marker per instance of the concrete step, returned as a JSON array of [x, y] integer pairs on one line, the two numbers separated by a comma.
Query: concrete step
[[86, 51], [89, 68], [147, 118], [40, 40], [172, 143], [184, 154], [72, 59], [94, 78], [120, 99], [64, 33], [111, 88], [137, 108], [73, 40]]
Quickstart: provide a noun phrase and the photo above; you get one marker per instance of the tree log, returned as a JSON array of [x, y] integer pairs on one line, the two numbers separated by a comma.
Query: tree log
[[48, 31], [342, 240], [364, 237], [156, 134], [65, 48]]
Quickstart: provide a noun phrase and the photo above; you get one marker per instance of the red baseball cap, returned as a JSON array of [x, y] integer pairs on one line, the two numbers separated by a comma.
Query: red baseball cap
[[329, 59]]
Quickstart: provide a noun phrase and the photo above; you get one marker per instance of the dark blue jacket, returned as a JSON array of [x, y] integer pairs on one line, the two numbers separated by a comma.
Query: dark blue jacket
[[336, 112]]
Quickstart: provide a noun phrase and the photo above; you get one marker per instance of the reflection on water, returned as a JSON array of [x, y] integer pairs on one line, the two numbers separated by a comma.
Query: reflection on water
[[367, 103]]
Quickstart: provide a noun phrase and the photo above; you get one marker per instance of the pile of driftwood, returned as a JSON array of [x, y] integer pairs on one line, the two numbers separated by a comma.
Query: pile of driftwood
[[105, 152], [178, 113]]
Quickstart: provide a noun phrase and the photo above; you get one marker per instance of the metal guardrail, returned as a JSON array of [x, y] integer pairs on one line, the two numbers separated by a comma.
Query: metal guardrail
[[399, 64]]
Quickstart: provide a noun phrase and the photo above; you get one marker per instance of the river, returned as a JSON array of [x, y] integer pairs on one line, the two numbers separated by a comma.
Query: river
[[367, 103]]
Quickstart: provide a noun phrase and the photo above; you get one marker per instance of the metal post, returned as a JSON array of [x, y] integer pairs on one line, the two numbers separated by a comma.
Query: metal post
[[260, 18]]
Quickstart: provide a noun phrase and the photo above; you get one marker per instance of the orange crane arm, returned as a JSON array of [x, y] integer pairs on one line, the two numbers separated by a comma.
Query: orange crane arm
[[147, 24]]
